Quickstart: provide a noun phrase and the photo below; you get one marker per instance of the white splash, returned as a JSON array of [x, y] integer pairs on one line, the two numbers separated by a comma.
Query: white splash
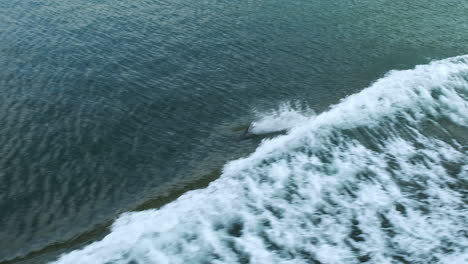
[[287, 116], [380, 178]]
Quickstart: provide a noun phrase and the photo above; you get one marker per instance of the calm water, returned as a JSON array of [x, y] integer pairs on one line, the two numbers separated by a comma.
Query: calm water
[[106, 105]]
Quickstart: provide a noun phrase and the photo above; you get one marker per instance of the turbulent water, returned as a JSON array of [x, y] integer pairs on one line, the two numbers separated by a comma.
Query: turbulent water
[[380, 177], [108, 107]]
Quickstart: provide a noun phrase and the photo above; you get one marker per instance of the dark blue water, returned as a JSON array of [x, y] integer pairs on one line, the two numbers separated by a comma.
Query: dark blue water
[[105, 105]]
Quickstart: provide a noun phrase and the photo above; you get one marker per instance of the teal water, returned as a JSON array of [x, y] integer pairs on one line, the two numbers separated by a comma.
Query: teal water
[[106, 105]]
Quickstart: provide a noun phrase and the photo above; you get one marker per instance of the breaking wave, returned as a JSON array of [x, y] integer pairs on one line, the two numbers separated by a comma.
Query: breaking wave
[[379, 178]]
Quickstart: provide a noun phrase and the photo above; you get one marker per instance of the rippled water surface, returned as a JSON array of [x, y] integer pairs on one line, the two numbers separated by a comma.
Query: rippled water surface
[[106, 106]]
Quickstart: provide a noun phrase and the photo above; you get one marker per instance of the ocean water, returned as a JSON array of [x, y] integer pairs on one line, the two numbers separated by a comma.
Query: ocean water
[[109, 108], [378, 178]]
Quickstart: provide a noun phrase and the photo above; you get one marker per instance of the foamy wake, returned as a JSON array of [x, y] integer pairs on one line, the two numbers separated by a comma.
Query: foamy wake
[[379, 178]]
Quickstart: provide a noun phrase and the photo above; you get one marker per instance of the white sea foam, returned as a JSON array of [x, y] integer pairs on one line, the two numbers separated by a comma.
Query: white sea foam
[[287, 116], [379, 178]]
